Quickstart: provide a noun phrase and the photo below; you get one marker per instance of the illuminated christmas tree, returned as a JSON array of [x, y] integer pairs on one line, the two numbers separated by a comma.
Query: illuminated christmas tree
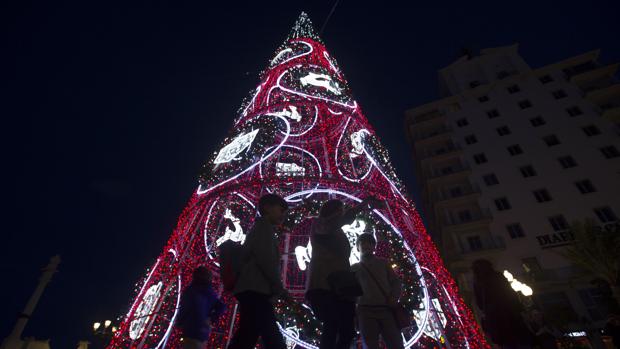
[[300, 135]]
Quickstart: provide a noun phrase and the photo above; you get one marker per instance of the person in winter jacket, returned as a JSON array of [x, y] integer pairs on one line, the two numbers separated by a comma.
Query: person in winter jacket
[[382, 288], [259, 282], [330, 254], [199, 307]]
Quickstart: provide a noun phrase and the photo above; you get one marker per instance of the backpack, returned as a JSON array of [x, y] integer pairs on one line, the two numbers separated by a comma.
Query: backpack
[[231, 262]]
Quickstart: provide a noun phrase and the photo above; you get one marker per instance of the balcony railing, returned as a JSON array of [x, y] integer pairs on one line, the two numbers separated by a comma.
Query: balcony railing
[[453, 194], [483, 214], [432, 134], [449, 171], [442, 151], [487, 243]]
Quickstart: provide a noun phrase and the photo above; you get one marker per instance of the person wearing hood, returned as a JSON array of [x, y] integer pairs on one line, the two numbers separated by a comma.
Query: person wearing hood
[[330, 255], [199, 307]]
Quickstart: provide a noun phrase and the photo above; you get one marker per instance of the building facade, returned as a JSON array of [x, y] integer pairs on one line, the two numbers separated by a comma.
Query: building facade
[[509, 157]]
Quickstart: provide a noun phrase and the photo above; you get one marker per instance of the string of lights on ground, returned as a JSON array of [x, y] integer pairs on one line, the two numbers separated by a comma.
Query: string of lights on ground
[[300, 135]]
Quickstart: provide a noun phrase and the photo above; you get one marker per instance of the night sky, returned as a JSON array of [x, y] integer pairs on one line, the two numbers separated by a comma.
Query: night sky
[[108, 111]]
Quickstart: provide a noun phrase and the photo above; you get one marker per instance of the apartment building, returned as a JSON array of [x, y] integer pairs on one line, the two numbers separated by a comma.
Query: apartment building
[[509, 157]]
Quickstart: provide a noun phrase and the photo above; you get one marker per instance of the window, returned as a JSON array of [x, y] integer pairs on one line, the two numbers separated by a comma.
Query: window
[[492, 113], [464, 216], [456, 192], [605, 214], [490, 179], [567, 161], [525, 104], [527, 171], [537, 121], [515, 149], [542, 195], [474, 84], [558, 223], [502, 74], [591, 130], [502, 204], [483, 99], [585, 186], [574, 111], [515, 231], [546, 79], [462, 122], [559, 94], [480, 158], [502, 131], [513, 89], [551, 140], [474, 242], [610, 152], [471, 139]]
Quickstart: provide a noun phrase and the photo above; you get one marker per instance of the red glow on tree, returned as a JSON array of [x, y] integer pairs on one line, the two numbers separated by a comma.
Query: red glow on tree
[[301, 135]]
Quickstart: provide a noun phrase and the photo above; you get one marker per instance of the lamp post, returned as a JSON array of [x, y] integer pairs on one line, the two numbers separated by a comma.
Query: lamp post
[[103, 332]]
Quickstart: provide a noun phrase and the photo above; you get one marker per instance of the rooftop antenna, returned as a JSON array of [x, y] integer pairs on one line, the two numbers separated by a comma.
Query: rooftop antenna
[[328, 17]]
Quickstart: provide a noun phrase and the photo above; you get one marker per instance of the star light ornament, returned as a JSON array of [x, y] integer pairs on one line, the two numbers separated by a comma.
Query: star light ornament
[[237, 146]]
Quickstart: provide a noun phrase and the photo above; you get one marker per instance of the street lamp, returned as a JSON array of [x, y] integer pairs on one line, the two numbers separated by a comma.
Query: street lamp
[[96, 326], [517, 285]]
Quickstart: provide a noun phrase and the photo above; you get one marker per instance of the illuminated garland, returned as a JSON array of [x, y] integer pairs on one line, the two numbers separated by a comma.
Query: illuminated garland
[[299, 134]]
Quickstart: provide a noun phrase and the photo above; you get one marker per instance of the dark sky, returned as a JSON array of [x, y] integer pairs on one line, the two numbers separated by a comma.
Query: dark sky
[[109, 109]]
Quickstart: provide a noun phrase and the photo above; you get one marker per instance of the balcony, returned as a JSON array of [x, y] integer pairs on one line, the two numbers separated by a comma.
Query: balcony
[[564, 274], [446, 151], [474, 217], [448, 171], [431, 115], [483, 244], [434, 134], [612, 113], [452, 195]]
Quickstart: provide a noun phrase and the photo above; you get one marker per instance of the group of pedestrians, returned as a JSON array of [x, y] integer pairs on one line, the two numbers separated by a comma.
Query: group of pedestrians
[[335, 290]]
